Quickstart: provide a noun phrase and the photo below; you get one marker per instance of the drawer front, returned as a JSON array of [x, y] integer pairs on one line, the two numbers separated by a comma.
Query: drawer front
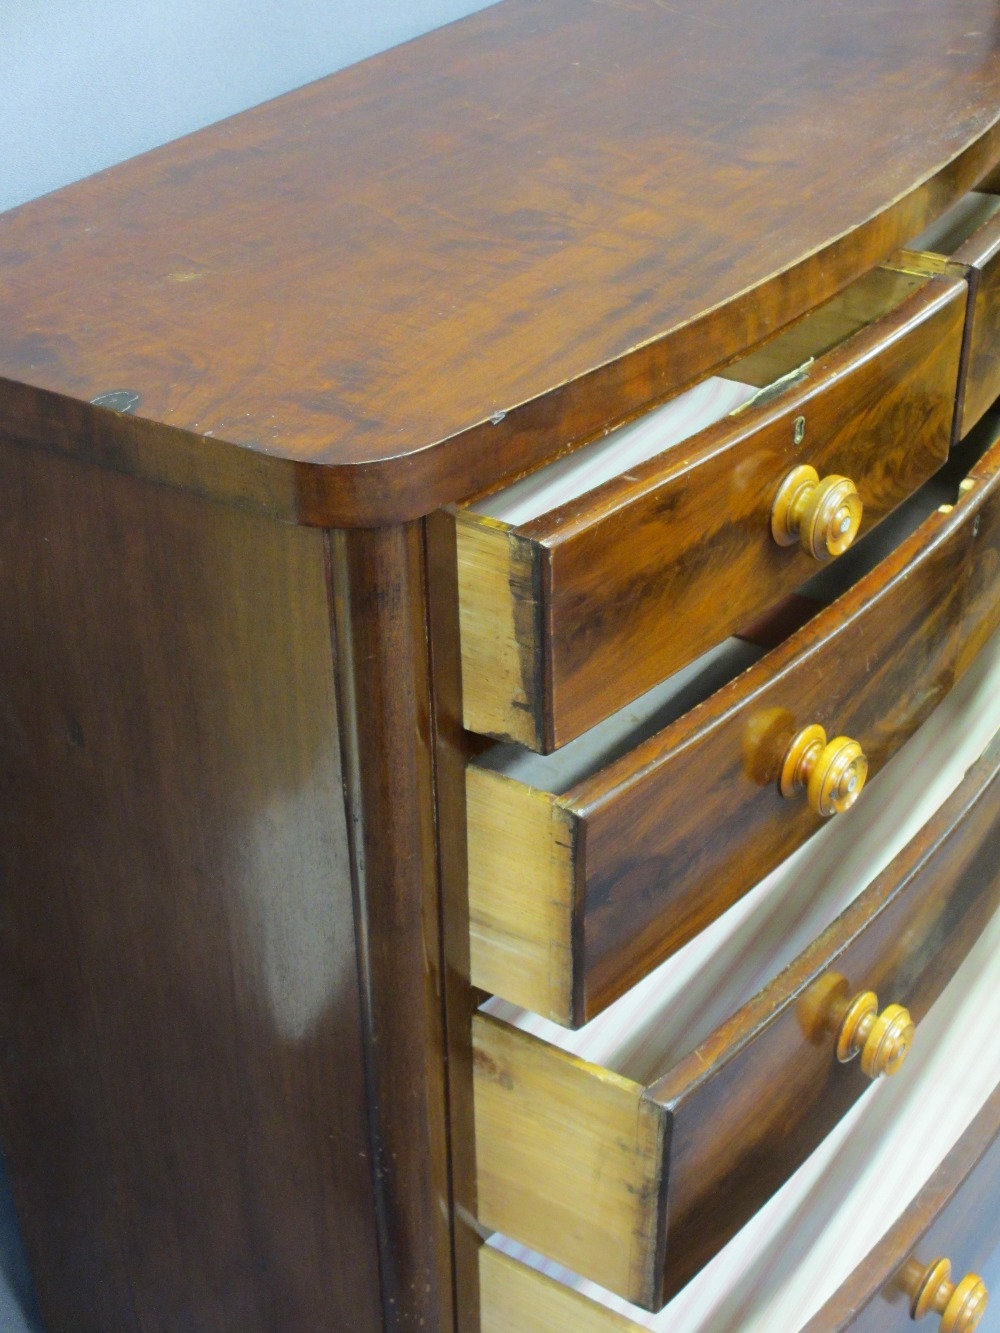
[[574, 898], [956, 1216], [569, 616], [635, 1187]]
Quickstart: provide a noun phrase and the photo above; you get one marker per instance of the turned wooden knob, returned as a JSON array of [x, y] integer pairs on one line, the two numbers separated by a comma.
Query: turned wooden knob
[[881, 1039], [824, 516], [832, 772], [961, 1305]]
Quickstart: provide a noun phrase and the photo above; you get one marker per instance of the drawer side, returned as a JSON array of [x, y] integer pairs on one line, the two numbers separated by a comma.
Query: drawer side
[[569, 1158], [521, 894], [499, 608]]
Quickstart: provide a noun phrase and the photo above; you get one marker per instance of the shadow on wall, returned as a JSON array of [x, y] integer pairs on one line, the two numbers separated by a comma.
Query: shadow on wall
[[83, 86]]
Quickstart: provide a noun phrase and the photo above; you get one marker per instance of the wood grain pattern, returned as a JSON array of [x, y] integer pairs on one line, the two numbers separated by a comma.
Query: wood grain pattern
[[872, 666], [221, 985], [708, 1142], [438, 268], [520, 940], [182, 1093], [572, 615], [956, 1215], [500, 625]]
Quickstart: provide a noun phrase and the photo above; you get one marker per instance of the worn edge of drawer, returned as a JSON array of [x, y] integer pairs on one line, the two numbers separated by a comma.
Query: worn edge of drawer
[[517, 835], [980, 383], [500, 629], [581, 1131]]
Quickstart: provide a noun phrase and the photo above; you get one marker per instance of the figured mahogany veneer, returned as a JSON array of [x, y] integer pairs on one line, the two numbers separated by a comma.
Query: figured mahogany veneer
[[575, 897], [636, 1188], [395, 287], [567, 617]]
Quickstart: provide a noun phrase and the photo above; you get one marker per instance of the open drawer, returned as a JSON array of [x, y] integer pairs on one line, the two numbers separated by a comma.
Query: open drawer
[[636, 1186], [968, 235], [589, 867], [953, 1221], [587, 582]]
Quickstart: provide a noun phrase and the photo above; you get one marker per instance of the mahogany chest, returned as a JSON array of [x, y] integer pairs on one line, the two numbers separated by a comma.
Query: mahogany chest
[[500, 679]]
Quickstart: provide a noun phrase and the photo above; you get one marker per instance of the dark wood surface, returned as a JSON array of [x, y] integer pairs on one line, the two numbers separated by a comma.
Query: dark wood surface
[[754, 1099], [221, 991], [379, 588], [182, 1088], [955, 1216], [871, 666], [643, 575], [395, 287]]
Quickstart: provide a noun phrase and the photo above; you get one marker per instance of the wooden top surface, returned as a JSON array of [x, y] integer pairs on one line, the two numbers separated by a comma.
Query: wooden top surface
[[444, 264]]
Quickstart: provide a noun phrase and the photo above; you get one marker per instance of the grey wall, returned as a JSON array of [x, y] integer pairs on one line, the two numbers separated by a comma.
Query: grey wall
[[86, 83]]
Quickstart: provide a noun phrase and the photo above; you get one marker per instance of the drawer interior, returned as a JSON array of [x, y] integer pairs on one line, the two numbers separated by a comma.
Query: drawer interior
[[864, 302], [793, 1254], [576, 474]]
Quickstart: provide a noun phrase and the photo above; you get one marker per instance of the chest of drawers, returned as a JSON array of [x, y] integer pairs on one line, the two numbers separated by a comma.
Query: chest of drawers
[[498, 651]]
